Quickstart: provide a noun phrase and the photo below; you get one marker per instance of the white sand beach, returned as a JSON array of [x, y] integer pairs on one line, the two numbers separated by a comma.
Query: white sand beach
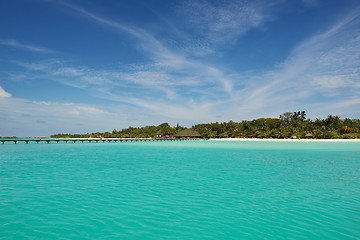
[[284, 140]]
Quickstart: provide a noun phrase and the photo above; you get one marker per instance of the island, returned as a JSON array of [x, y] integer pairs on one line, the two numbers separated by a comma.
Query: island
[[290, 125]]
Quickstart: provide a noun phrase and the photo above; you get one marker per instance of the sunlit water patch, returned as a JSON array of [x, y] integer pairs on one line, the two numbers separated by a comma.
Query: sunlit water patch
[[180, 190]]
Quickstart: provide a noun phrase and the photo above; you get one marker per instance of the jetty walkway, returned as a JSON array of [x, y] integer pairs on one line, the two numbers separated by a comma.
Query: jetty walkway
[[90, 140]]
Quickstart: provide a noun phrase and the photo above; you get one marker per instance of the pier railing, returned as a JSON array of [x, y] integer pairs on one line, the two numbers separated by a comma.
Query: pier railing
[[90, 140]]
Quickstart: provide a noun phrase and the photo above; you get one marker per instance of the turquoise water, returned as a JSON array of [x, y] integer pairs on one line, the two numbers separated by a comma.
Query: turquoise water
[[180, 190]]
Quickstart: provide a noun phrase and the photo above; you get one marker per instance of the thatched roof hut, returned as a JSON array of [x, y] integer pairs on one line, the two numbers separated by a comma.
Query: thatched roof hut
[[309, 135], [187, 133]]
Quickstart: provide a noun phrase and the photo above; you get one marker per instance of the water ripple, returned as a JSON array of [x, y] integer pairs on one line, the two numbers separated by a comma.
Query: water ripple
[[185, 191]]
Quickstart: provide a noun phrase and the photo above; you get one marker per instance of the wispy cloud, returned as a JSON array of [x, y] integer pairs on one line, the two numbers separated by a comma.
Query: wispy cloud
[[66, 109], [324, 68], [27, 47], [148, 41], [224, 21]]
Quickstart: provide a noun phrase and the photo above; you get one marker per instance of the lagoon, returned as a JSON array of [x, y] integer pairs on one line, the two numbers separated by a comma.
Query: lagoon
[[180, 190]]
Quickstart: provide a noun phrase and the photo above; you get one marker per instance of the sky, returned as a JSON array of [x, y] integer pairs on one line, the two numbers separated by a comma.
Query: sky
[[87, 66]]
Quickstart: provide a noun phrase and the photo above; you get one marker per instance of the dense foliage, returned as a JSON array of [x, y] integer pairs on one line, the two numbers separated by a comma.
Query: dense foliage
[[287, 126], [163, 130]]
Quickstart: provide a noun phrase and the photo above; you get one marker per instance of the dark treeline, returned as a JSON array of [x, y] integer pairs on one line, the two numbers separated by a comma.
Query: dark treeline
[[163, 130], [289, 124]]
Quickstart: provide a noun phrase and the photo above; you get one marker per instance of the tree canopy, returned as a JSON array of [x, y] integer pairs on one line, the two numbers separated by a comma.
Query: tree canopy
[[288, 125]]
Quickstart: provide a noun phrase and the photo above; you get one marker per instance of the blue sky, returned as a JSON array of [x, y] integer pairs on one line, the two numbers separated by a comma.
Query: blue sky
[[85, 66]]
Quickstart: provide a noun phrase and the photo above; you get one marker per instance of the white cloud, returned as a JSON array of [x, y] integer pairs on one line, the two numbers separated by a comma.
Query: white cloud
[[4, 94], [90, 110], [152, 81], [352, 103], [70, 72], [337, 81], [23, 117], [59, 109], [185, 111], [62, 71]]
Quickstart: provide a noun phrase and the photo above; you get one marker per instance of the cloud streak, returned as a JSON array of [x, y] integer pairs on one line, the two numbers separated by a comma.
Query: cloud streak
[[324, 66], [233, 18], [27, 47]]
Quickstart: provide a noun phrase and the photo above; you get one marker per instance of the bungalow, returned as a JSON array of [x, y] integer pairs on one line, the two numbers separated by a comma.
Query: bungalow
[[309, 135], [187, 133], [10, 137]]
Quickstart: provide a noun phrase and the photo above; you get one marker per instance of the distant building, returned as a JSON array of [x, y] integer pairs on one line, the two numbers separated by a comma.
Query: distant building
[[309, 135], [187, 133]]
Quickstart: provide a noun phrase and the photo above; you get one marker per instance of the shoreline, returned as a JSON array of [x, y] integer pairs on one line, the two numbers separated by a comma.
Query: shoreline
[[282, 140]]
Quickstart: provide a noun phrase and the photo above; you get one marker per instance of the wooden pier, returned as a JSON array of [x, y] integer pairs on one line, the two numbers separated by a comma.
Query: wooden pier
[[91, 140]]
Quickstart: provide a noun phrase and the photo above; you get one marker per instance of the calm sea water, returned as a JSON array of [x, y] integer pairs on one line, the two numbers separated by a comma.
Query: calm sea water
[[180, 190]]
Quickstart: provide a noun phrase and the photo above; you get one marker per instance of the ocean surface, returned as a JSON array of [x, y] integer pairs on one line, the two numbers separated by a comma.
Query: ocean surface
[[180, 190]]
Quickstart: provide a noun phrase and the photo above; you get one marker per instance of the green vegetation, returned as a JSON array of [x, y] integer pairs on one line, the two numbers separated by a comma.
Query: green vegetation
[[289, 124], [163, 129]]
